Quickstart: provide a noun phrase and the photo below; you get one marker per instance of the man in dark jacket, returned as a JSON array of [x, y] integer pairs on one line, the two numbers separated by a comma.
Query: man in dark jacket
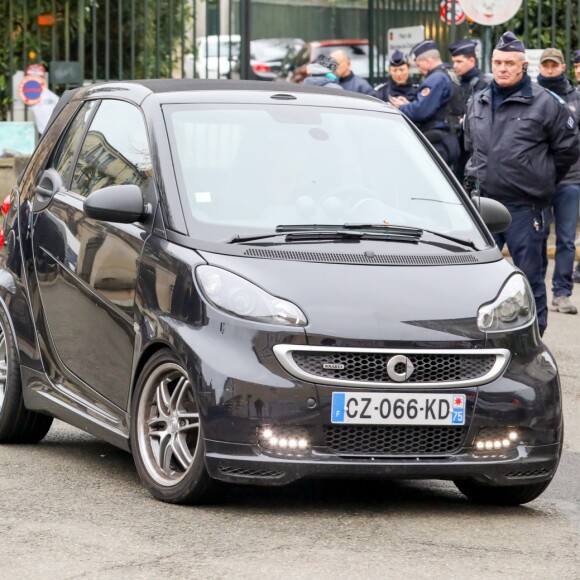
[[464, 63], [347, 79], [523, 141], [429, 110], [399, 84], [566, 201], [471, 81]]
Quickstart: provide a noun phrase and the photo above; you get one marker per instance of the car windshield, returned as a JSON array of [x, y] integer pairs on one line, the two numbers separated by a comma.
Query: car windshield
[[245, 169]]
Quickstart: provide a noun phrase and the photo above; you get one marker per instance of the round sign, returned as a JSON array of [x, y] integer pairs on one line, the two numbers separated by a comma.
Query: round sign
[[35, 69], [491, 12], [30, 89], [446, 12]]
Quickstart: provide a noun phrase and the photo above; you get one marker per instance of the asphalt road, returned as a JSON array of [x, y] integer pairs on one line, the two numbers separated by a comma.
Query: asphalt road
[[72, 507]]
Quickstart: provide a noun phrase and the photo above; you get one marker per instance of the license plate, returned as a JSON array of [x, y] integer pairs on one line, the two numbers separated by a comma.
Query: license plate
[[398, 409]]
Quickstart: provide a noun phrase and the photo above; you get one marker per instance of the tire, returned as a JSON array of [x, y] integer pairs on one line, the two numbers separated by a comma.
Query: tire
[[166, 433], [17, 423], [501, 495]]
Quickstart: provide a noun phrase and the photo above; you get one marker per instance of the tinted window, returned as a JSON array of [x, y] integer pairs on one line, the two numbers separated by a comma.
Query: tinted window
[[63, 157], [115, 150]]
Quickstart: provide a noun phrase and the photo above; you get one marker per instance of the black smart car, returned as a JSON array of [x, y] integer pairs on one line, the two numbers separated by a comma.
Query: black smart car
[[256, 283]]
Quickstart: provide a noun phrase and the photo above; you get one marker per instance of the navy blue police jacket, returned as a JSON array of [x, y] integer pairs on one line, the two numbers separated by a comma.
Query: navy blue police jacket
[[429, 110], [392, 89], [519, 154]]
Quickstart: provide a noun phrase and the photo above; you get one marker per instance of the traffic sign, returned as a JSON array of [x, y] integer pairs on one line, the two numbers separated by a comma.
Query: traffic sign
[[35, 69], [446, 12], [30, 89], [491, 12]]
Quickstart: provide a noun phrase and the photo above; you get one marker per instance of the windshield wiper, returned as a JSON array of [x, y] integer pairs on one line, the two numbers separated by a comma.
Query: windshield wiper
[[237, 239], [384, 228], [326, 235], [329, 233], [409, 231], [460, 241]]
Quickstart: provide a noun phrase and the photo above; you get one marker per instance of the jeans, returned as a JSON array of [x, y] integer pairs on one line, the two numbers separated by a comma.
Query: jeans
[[564, 212], [525, 240]]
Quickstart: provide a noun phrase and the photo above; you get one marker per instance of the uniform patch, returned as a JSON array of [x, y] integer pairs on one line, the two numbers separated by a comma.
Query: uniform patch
[[570, 123], [425, 92]]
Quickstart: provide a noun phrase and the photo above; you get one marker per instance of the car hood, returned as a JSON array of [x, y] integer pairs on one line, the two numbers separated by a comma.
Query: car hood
[[378, 303]]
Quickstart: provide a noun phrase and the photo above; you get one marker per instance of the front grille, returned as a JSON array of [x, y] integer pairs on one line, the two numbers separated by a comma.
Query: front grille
[[261, 473], [523, 473], [372, 367], [393, 440]]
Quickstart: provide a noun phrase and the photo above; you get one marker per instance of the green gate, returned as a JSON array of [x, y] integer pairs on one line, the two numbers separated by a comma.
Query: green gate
[[81, 41]]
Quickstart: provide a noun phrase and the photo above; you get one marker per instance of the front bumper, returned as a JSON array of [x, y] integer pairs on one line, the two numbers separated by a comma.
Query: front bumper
[[242, 464]]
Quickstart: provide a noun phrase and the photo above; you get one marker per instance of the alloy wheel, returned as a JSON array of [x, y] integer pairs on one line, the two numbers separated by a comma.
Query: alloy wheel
[[168, 426]]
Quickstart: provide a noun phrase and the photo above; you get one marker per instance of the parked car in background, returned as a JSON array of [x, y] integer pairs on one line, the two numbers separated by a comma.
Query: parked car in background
[[220, 323], [268, 54], [294, 67], [215, 57]]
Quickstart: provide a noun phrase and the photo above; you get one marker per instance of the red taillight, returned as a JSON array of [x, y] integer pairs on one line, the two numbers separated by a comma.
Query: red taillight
[[261, 67], [6, 205], [1, 238]]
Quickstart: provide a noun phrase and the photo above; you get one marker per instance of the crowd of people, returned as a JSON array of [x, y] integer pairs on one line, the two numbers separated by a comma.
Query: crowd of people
[[504, 136]]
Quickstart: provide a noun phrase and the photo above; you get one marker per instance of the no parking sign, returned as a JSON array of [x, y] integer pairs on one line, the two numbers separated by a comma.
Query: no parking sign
[[30, 89]]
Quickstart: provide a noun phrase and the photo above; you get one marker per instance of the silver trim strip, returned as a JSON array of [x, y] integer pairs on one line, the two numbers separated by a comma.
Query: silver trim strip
[[283, 353]]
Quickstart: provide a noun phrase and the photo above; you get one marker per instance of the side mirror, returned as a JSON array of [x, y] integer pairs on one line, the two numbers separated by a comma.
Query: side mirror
[[49, 183], [494, 214], [121, 204]]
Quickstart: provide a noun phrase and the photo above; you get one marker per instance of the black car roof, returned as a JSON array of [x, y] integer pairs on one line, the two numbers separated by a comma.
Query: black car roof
[[135, 89]]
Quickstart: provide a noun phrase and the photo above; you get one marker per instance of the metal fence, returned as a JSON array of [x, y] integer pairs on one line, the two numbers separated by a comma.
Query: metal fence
[[90, 40]]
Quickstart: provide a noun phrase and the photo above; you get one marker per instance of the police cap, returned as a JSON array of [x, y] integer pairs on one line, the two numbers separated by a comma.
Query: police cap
[[398, 58], [508, 42], [464, 47], [423, 46]]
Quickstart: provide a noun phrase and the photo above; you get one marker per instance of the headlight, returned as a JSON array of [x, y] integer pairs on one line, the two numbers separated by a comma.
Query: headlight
[[513, 308], [235, 295]]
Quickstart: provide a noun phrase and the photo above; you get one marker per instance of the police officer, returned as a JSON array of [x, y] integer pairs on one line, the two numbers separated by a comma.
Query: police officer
[[471, 80], [522, 140], [399, 83], [463, 58], [566, 201], [429, 110], [577, 66]]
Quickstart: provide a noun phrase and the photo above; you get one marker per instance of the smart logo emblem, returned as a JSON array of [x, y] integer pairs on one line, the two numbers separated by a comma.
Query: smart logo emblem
[[399, 368]]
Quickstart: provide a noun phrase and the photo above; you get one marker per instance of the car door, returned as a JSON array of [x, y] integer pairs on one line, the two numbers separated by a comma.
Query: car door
[[86, 269]]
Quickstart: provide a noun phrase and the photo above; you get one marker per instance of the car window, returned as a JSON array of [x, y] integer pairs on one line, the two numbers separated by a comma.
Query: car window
[[64, 154], [246, 168], [115, 150]]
